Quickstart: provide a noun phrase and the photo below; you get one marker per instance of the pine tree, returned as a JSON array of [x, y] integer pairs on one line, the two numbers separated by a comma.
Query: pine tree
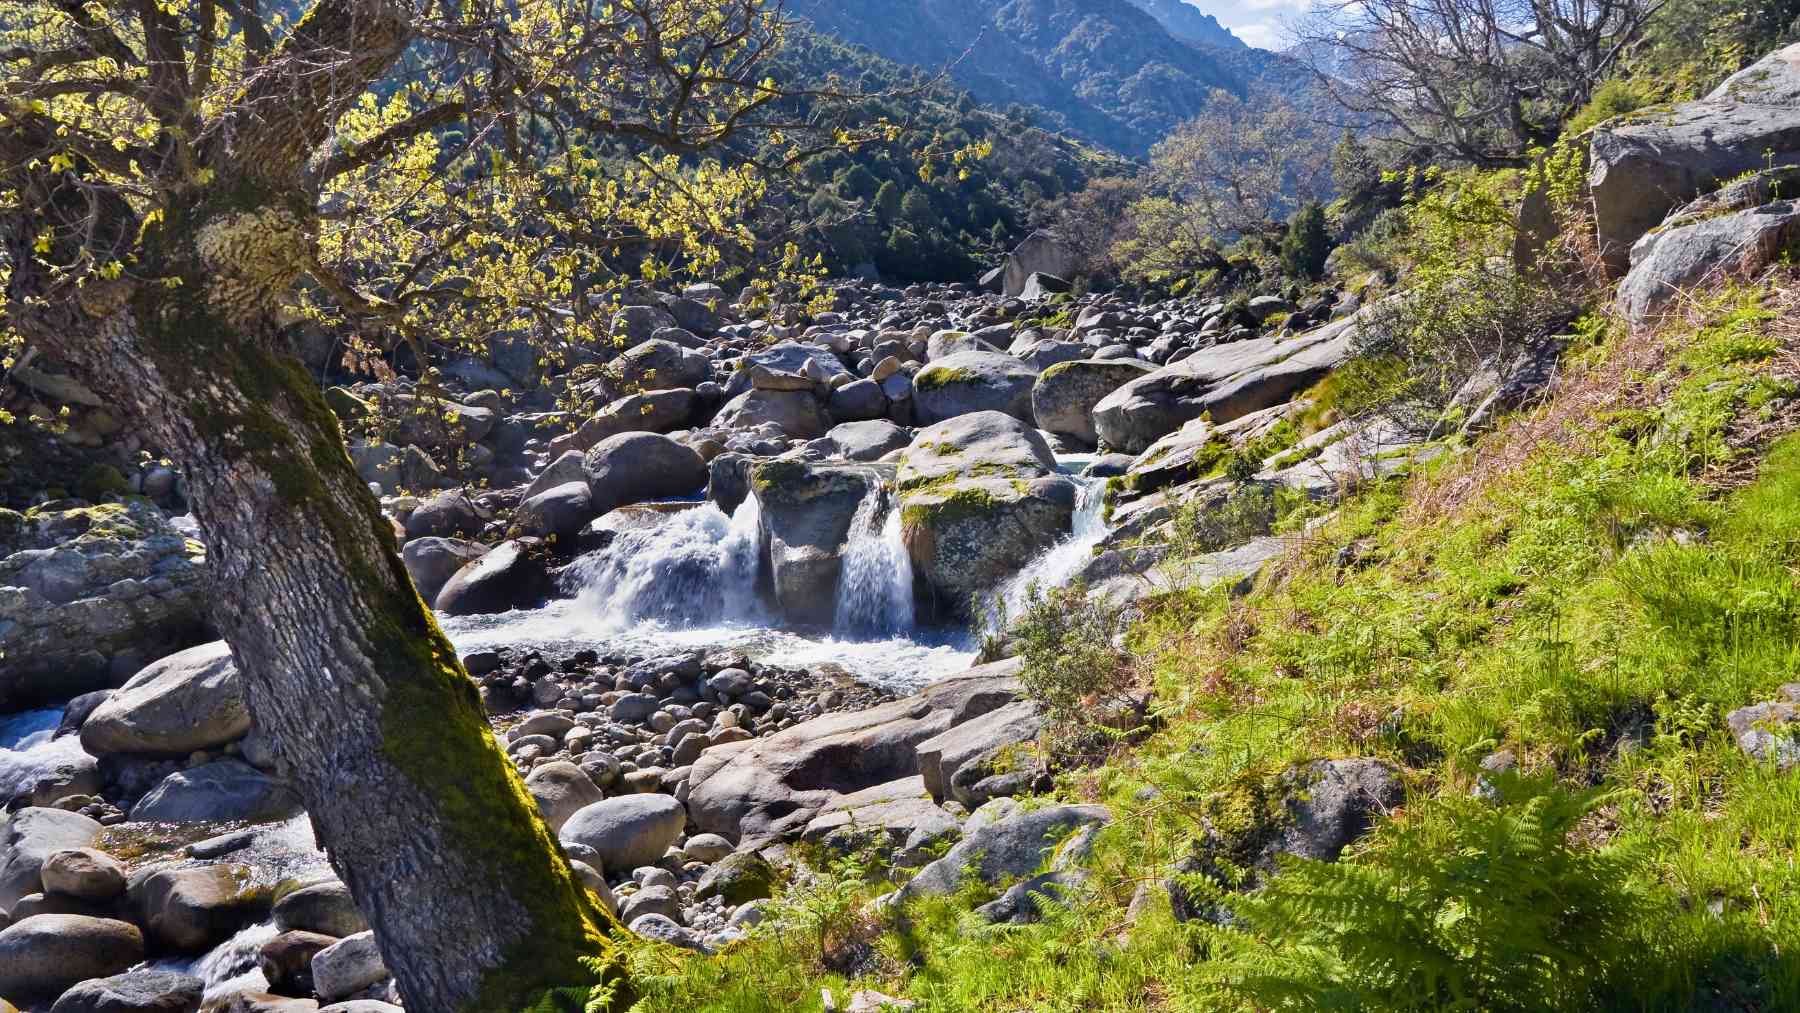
[[1307, 243]]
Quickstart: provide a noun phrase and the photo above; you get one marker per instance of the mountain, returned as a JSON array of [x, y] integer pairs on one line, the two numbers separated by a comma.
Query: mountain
[[1105, 70], [1184, 21]]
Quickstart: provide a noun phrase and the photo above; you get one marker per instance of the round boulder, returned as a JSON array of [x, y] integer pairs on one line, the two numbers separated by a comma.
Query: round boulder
[[1065, 394], [143, 991], [85, 873], [326, 908], [561, 789], [188, 701], [506, 578], [45, 954], [634, 467], [973, 381], [628, 831]]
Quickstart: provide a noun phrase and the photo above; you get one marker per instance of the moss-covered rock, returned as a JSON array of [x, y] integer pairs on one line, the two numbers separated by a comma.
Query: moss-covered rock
[[980, 497]]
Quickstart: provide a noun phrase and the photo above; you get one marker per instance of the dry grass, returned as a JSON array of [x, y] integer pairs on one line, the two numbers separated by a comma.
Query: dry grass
[[1574, 409]]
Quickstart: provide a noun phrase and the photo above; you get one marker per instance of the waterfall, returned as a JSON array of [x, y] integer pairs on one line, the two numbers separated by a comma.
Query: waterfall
[[875, 595], [698, 567], [1061, 561]]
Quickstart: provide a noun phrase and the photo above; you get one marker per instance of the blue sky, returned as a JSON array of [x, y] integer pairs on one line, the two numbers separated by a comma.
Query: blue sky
[[1258, 22]]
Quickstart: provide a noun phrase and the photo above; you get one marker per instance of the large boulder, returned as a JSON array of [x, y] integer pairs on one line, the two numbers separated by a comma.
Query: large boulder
[[773, 786], [973, 381], [566, 467], [975, 744], [325, 907], [1645, 164], [660, 364], [29, 837], [1040, 253], [865, 441], [143, 991], [795, 412], [448, 514], [634, 325], [1225, 381], [650, 411], [510, 576], [220, 791], [627, 831], [192, 910], [806, 515], [1017, 844], [1063, 399], [188, 701], [347, 967], [560, 512], [634, 467], [561, 790], [89, 594], [1671, 260], [980, 497], [432, 422], [45, 954], [431, 562], [857, 401]]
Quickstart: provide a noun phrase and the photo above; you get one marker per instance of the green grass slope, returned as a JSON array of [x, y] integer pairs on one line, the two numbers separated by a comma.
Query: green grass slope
[[1588, 591]]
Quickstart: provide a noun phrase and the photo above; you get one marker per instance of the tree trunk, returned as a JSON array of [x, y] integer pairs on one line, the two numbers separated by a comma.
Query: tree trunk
[[382, 732]]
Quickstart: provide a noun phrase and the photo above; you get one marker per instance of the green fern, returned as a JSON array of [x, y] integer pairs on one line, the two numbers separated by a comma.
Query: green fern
[[1492, 908]]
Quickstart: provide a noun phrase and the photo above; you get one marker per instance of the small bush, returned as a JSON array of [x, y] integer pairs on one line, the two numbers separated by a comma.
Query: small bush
[[1078, 669]]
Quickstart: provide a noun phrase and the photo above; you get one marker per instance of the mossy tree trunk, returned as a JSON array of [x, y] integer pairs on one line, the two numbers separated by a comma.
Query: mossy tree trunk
[[361, 695]]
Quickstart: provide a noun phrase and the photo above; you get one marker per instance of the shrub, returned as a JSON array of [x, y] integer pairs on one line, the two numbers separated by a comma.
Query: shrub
[[1078, 669]]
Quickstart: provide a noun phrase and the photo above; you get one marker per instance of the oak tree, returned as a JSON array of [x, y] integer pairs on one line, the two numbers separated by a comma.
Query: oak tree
[[182, 181]]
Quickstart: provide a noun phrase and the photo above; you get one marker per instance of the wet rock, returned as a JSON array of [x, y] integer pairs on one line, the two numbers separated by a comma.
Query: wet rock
[[192, 910], [980, 497], [220, 791], [511, 576], [806, 511], [142, 991], [43, 955], [286, 960]]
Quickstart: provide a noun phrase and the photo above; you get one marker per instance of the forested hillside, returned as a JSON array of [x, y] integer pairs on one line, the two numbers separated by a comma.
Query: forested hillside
[[1107, 70]]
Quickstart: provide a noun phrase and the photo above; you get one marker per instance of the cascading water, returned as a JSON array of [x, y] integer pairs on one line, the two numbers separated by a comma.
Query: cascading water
[[230, 967], [697, 567], [1062, 561], [875, 593], [29, 751]]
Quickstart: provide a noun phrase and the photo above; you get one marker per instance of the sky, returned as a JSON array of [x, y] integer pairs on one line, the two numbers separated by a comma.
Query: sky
[[1258, 22]]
